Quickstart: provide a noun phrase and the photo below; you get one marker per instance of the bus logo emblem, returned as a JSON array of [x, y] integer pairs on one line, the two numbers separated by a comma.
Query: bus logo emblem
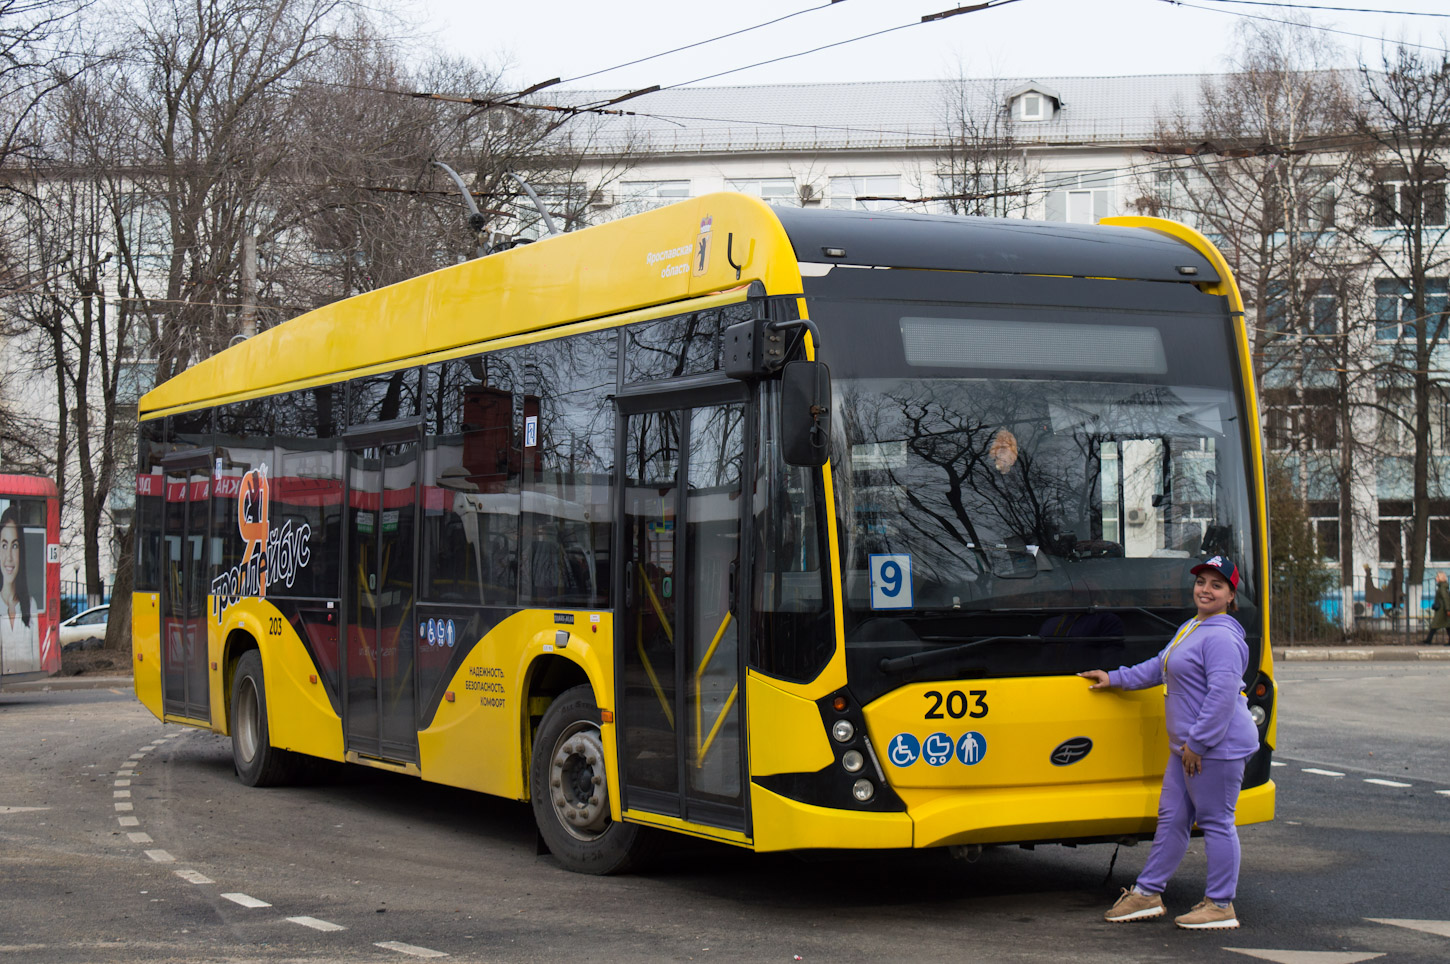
[[1070, 751]]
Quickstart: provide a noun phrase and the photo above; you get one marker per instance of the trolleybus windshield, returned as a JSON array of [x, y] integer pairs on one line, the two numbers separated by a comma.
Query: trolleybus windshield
[[1023, 490]]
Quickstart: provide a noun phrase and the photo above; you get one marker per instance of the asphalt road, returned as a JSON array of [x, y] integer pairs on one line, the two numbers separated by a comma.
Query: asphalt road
[[142, 846]]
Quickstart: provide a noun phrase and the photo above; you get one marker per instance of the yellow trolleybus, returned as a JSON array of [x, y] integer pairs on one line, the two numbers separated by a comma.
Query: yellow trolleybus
[[784, 528]]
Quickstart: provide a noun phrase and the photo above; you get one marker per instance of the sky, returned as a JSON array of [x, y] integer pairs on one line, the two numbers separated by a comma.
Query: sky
[[1023, 39]]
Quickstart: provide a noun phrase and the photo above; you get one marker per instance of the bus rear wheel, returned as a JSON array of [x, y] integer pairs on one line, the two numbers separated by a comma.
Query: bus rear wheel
[[258, 763], [570, 791]]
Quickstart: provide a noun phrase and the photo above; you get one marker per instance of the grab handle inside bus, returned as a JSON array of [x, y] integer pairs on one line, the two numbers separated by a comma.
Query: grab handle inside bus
[[805, 413]]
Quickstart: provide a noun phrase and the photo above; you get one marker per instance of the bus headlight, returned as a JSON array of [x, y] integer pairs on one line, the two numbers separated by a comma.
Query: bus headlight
[[862, 790], [1259, 715], [852, 760], [843, 730]]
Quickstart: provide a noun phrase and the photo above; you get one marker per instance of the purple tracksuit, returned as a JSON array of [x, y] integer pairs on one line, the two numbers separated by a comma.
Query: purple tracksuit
[[1207, 710]]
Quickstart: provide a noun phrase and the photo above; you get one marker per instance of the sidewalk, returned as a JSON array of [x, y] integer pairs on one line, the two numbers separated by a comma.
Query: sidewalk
[[55, 683], [1348, 652]]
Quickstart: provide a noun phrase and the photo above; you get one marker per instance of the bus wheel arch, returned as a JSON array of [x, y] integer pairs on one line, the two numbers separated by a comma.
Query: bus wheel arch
[[569, 791]]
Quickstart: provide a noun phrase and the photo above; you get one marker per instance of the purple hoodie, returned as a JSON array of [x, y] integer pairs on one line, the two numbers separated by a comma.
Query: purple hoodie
[[1206, 705]]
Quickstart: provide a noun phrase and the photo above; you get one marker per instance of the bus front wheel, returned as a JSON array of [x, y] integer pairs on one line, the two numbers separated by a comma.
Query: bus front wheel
[[570, 792], [258, 763]]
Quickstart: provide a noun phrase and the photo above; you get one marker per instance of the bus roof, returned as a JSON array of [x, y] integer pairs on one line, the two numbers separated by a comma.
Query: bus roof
[[647, 260], [31, 485]]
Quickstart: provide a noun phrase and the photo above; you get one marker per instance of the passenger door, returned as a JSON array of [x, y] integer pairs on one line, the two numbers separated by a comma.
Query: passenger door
[[185, 689], [380, 689], [680, 698]]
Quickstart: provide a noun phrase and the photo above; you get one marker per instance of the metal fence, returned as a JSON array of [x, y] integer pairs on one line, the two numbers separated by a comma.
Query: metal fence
[[1392, 615], [74, 598]]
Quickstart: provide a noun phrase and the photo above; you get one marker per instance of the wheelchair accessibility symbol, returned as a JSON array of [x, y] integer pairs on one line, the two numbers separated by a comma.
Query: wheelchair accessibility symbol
[[937, 749], [904, 750], [971, 748]]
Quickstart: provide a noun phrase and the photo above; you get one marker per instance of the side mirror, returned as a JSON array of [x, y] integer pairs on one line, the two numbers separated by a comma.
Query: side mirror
[[805, 413]]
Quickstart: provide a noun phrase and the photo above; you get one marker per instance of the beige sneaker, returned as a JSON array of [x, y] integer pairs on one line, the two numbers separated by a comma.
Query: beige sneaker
[[1206, 915], [1135, 906]]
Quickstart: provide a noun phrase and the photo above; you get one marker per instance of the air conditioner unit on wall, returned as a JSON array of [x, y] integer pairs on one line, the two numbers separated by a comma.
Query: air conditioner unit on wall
[[807, 192], [1137, 516]]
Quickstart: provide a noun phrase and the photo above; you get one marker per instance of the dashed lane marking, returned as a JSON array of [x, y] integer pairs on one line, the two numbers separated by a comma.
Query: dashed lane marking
[[21, 809], [1386, 783], [140, 837], [122, 783], [1276, 763], [1440, 927], [1443, 793], [1323, 773], [128, 821], [410, 949], [137, 756], [161, 856], [317, 925], [1306, 957], [246, 901], [125, 806], [120, 794], [194, 877]]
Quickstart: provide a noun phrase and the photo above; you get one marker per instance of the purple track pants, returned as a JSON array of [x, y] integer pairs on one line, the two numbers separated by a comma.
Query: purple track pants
[[1207, 799]]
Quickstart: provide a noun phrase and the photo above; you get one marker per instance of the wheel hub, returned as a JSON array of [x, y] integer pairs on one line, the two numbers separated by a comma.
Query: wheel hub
[[576, 782]]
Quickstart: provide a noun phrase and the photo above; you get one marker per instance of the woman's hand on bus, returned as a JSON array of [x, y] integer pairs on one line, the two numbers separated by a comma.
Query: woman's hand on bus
[[1098, 676]]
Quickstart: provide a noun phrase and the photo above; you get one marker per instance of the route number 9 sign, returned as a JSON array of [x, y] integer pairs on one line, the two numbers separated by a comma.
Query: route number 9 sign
[[891, 580]]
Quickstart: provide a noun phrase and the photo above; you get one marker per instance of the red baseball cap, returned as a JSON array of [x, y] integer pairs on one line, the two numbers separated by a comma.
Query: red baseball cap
[[1222, 565]]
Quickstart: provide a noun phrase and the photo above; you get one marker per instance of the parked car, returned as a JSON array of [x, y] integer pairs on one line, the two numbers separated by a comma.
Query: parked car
[[85, 630]]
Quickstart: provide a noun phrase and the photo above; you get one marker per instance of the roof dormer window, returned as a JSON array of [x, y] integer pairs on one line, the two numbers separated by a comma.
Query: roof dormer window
[[1033, 102]]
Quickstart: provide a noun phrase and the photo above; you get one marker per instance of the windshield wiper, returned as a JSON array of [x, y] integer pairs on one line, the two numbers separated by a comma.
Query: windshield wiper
[[900, 664]]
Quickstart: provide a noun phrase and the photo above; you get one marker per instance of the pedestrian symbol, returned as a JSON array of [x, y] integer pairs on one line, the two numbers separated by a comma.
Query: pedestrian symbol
[[971, 748], [937, 749], [904, 750]]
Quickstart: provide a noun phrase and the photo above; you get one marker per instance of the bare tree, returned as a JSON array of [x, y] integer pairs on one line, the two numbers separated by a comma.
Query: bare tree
[[1401, 227], [982, 170]]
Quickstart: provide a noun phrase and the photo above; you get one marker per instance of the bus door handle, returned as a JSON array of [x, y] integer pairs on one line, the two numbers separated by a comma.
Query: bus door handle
[[629, 585], [734, 571]]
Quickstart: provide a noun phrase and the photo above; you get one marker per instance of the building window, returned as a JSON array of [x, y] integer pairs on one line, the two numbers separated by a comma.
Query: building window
[[1081, 198], [1392, 544], [642, 195], [845, 192], [1440, 540], [771, 190], [1308, 419], [1397, 198], [1034, 107], [1394, 308]]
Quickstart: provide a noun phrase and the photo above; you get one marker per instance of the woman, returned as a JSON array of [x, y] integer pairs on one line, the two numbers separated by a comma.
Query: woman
[[1212, 737], [1440, 611], [19, 629]]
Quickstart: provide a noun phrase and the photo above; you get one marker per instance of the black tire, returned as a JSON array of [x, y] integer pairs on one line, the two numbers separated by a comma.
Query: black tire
[[258, 762], [570, 792]]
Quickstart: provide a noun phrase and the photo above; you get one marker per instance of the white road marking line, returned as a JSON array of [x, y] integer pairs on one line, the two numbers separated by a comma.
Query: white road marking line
[[137, 756], [161, 856], [317, 925], [194, 877], [122, 783], [140, 837], [128, 821], [21, 809], [125, 773], [1443, 793], [125, 806], [1276, 763], [1323, 773], [246, 901], [1386, 783], [1440, 927], [1306, 957], [120, 794], [411, 949]]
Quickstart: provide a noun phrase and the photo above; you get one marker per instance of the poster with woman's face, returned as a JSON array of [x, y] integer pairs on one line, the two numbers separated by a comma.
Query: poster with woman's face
[[22, 583]]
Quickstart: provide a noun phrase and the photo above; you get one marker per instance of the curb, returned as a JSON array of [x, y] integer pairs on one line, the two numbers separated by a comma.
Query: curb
[[1375, 653], [56, 683]]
